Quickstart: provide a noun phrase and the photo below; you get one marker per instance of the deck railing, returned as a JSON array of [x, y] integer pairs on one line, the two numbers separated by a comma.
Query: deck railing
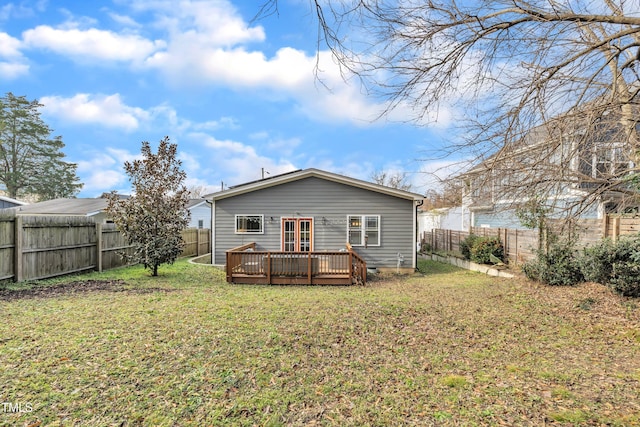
[[246, 265]]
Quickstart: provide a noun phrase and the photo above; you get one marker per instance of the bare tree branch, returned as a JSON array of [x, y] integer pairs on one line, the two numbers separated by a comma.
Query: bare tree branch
[[556, 80]]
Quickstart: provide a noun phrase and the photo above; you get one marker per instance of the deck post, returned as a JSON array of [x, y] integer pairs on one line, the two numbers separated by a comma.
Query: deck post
[[350, 265], [309, 270], [268, 268]]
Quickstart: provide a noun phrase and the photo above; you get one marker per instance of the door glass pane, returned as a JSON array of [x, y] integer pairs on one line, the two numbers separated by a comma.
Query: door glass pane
[[305, 235], [289, 235]]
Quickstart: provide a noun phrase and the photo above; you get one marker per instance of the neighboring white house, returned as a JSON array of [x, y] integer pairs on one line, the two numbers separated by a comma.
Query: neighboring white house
[[444, 218], [200, 213]]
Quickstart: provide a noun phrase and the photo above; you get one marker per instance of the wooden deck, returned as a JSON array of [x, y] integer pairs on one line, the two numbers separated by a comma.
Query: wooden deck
[[246, 265]]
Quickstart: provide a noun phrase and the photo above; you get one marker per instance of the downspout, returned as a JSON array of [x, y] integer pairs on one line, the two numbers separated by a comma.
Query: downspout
[[415, 234], [213, 231]]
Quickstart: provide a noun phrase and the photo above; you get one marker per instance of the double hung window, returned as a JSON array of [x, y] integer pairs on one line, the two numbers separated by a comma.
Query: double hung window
[[610, 161], [363, 230]]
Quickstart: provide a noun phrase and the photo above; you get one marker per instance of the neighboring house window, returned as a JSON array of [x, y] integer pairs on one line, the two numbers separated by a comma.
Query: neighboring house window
[[609, 161], [200, 223], [249, 223], [364, 230]]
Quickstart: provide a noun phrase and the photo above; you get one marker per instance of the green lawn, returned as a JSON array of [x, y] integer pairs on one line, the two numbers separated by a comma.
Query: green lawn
[[449, 347]]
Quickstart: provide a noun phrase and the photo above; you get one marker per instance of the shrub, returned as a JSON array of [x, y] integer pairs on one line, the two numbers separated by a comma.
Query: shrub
[[466, 244], [484, 247], [596, 262], [616, 265], [557, 267], [625, 274]]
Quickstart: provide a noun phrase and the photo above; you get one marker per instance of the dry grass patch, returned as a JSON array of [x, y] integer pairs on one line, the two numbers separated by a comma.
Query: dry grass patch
[[449, 347]]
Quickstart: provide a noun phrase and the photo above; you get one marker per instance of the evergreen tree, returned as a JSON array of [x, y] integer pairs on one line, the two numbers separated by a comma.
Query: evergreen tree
[[31, 161]]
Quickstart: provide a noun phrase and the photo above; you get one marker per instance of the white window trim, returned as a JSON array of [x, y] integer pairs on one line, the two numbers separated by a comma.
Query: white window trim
[[235, 224], [363, 230]]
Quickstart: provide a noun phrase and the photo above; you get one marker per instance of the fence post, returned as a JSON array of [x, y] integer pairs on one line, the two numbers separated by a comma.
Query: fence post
[[98, 246], [17, 263]]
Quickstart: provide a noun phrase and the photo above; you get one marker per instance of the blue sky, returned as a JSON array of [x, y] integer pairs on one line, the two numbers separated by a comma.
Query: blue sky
[[236, 95]]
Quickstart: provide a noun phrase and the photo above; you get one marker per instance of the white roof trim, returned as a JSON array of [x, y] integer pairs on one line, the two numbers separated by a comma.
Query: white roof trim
[[10, 200], [198, 204]]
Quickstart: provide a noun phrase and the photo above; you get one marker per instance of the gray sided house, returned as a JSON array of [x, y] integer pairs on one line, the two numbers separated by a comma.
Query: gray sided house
[[313, 211]]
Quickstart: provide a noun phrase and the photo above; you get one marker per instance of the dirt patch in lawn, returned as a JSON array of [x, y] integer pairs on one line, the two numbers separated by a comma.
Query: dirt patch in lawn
[[74, 288]]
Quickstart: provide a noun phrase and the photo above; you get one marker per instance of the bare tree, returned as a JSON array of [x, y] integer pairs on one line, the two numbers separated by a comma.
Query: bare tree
[[196, 191], [564, 72], [450, 195], [391, 179]]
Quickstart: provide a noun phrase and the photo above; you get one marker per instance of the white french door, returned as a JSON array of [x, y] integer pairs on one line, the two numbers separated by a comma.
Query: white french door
[[297, 234]]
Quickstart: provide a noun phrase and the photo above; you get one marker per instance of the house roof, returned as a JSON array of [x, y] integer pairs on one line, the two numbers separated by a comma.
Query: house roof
[[307, 173], [14, 201], [194, 203], [76, 207]]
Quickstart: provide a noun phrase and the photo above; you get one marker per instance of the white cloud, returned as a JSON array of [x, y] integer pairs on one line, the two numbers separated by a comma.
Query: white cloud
[[231, 147], [103, 171], [124, 20], [223, 122], [190, 162], [9, 46], [12, 63], [432, 173], [22, 9], [12, 70], [208, 43], [91, 43], [106, 110], [239, 162], [201, 22]]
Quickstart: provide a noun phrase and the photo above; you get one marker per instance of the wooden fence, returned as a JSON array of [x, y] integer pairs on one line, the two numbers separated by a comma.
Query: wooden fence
[[37, 247], [520, 245]]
